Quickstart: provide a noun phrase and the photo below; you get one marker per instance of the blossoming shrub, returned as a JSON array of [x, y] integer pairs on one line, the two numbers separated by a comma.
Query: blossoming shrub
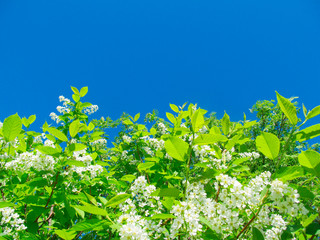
[[192, 177]]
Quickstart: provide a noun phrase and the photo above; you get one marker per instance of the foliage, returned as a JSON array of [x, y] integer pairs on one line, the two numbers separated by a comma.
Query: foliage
[[191, 177]]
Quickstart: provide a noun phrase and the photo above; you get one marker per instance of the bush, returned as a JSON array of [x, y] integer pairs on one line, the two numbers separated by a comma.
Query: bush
[[192, 177]]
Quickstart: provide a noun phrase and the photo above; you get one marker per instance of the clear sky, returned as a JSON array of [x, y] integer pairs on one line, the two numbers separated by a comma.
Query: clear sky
[[139, 55]]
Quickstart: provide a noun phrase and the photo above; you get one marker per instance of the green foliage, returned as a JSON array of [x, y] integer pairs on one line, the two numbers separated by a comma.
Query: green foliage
[[192, 177]]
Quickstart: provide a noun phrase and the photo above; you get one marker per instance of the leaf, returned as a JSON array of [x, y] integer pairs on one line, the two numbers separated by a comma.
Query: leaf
[[92, 209], [74, 147], [25, 122], [83, 91], [6, 204], [205, 139], [91, 126], [145, 166], [162, 216], [117, 200], [74, 128], [305, 111], [308, 133], [288, 109], [128, 178], [136, 117], [174, 108], [31, 119], [55, 132], [12, 127], [225, 122], [169, 192], [305, 193], [91, 198], [76, 97], [257, 234], [171, 118], [314, 112], [75, 90], [88, 225], [289, 173], [197, 120], [176, 148], [48, 150], [268, 144], [311, 161], [65, 234]]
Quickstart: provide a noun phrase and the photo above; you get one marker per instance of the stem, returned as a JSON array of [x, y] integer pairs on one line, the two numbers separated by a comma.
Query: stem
[[48, 201], [188, 169], [285, 148], [142, 162], [254, 216]]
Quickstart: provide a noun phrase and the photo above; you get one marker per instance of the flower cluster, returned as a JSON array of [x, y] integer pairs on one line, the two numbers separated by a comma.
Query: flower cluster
[[28, 161], [91, 109], [136, 222], [11, 222]]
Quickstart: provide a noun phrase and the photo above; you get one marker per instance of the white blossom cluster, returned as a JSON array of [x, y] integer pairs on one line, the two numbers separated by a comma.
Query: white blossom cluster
[[89, 171], [31, 161], [155, 143], [11, 222], [134, 225], [91, 109], [65, 108], [99, 144], [250, 155], [162, 129], [206, 154], [234, 205], [126, 139], [1, 124]]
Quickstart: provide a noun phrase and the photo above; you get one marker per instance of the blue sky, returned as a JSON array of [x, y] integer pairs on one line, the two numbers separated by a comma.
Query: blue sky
[[140, 55]]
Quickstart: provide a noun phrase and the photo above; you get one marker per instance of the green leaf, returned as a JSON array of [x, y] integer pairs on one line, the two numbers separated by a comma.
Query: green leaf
[[117, 200], [76, 97], [75, 90], [91, 209], [74, 128], [268, 144], [162, 216], [25, 122], [136, 117], [289, 173], [309, 220], [169, 192], [75, 163], [308, 133], [257, 234], [6, 204], [310, 160], [145, 166], [88, 225], [176, 148], [305, 193], [12, 127], [91, 126], [171, 118], [174, 108], [305, 111], [55, 132], [74, 147], [31, 119], [83, 91], [197, 120], [288, 109], [91, 198], [128, 178], [48, 150], [225, 122], [205, 139], [314, 112], [65, 234]]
